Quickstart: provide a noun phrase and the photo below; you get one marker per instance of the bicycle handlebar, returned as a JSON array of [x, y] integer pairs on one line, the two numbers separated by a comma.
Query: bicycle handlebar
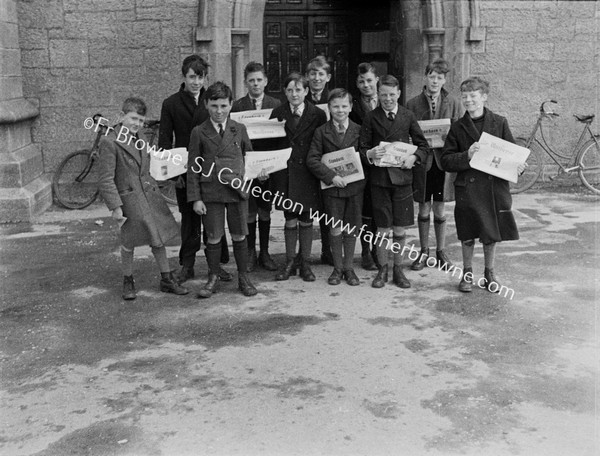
[[548, 113]]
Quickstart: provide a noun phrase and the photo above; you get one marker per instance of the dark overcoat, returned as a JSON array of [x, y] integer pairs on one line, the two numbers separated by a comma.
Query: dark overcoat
[[449, 108], [326, 140], [483, 202], [296, 182], [359, 110], [125, 181], [213, 160], [377, 127]]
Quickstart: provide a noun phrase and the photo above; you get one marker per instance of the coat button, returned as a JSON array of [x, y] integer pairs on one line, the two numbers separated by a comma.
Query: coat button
[[300, 161], [490, 177], [472, 179]]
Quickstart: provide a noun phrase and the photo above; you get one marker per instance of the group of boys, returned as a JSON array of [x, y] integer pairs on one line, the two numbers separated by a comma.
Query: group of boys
[[382, 203]]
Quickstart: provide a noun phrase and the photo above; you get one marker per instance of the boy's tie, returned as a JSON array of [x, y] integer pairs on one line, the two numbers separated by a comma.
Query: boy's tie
[[221, 131], [341, 131], [295, 118], [391, 116], [254, 103]]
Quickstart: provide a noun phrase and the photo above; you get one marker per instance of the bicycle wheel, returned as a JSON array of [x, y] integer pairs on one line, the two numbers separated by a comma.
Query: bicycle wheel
[[588, 160], [75, 182], [167, 188], [533, 170]]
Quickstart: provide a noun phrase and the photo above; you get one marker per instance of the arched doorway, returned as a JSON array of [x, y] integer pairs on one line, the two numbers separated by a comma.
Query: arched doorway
[[295, 31]]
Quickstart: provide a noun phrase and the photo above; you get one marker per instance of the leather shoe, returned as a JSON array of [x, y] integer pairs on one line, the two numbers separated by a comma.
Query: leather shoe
[[335, 278], [128, 288], [288, 270], [381, 278], [266, 262], [490, 278], [186, 273], [367, 262], [443, 260], [252, 260], [420, 262], [351, 278], [210, 287], [168, 284], [399, 277], [246, 286], [327, 257], [466, 285], [224, 275], [306, 273]]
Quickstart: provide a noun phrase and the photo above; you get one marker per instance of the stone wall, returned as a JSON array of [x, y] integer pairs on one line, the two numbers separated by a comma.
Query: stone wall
[[540, 50], [83, 57]]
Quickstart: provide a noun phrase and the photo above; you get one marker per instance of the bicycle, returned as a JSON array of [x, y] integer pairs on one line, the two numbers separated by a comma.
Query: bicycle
[[75, 182], [585, 154]]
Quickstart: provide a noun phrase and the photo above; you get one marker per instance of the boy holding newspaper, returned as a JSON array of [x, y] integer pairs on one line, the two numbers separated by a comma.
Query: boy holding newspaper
[[342, 201]]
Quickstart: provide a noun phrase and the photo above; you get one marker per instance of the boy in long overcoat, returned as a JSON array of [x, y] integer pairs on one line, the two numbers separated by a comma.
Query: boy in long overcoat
[[483, 201], [134, 198], [297, 184]]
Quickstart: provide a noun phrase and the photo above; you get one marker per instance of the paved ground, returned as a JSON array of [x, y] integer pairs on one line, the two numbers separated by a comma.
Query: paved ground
[[300, 369]]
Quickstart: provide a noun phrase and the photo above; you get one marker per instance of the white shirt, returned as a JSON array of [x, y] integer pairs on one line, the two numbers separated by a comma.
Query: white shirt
[[259, 101], [395, 111], [300, 109], [216, 125], [344, 124]]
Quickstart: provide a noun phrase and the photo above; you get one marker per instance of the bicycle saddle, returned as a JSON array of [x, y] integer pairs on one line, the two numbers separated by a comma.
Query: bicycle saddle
[[585, 119]]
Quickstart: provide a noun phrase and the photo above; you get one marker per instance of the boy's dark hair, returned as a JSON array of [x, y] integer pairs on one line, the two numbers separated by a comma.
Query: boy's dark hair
[[254, 67], [339, 93], [366, 67], [475, 83], [317, 63], [196, 63], [388, 80], [133, 104], [296, 78], [440, 66], [218, 90]]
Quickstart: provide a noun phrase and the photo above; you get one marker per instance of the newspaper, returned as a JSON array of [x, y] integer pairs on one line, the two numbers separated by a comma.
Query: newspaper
[[168, 163], [270, 161], [395, 152], [499, 158], [325, 108], [258, 124], [346, 164], [435, 131]]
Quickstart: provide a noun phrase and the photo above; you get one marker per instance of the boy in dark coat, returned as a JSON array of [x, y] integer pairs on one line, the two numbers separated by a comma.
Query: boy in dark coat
[[296, 182], [318, 72], [430, 183], [391, 188], [180, 113], [215, 185], [256, 82], [134, 198], [483, 201], [364, 102], [343, 202]]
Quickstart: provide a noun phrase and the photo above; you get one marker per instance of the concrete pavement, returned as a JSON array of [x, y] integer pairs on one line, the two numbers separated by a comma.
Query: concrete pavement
[[301, 369]]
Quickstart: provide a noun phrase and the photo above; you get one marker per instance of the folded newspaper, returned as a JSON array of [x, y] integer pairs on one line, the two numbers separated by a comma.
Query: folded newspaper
[[270, 161], [259, 125], [346, 163], [435, 131], [499, 158], [166, 164], [395, 153]]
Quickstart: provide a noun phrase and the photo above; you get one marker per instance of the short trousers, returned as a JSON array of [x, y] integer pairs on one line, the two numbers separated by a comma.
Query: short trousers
[[237, 219], [393, 206]]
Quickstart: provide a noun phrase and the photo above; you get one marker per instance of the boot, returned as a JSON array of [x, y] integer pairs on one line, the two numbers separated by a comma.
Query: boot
[[420, 262], [245, 286], [492, 284], [350, 276], [264, 259], [305, 272], [335, 278], [213, 255], [381, 278], [466, 286], [399, 277], [291, 238], [186, 273], [252, 260], [168, 284], [129, 288], [443, 261]]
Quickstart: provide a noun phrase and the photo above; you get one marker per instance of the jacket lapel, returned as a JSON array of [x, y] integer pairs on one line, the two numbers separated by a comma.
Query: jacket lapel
[[352, 132], [128, 147], [210, 132], [469, 127], [305, 119], [228, 135]]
